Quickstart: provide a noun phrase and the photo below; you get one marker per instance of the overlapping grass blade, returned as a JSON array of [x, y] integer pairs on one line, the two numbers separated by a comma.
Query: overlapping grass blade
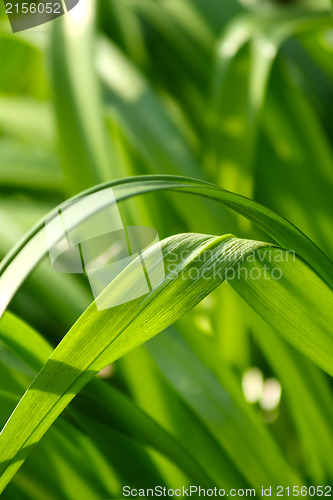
[[103, 403], [70, 371], [27, 254], [100, 337]]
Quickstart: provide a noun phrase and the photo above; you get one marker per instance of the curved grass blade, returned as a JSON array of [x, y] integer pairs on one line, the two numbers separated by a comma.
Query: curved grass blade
[[100, 337], [27, 254], [103, 403], [293, 300]]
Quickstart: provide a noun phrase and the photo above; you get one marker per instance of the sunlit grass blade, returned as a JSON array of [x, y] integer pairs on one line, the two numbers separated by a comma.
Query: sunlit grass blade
[[66, 371], [70, 372], [103, 403], [30, 250]]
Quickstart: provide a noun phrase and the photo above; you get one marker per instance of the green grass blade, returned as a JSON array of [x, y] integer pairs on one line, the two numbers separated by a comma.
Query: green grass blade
[[297, 303], [105, 404], [308, 399], [157, 136], [30, 250], [247, 443], [101, 337], [70, 372], [82, 132]]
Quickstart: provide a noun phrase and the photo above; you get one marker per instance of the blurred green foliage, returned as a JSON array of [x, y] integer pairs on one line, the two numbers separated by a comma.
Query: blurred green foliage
[[236, 93]]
